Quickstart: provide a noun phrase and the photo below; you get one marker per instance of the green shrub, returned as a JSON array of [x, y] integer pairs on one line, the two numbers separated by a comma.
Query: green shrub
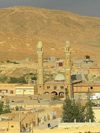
[[8, 61], [87, 56], [6, 111], [15, 62], [3, 79], [34, 78], [17, 108], [30, 73], [56, 98], [17, 80]]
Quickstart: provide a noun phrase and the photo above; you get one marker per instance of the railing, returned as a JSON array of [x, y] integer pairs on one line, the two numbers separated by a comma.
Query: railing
[[78, 123]]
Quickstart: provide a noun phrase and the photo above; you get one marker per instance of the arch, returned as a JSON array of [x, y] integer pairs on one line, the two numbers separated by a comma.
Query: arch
[[46, 92], [61, 94], [54, 92]]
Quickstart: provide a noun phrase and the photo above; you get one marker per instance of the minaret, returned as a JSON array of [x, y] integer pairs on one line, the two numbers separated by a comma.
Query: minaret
[[67, 53], [40, 67]]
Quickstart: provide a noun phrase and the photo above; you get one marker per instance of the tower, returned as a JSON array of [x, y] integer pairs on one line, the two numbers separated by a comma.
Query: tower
[[67, 53], [40, 67]]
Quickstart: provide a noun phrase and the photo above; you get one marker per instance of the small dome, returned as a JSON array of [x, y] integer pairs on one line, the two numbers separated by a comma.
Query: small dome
[[59, 77], [67, 42], [39, 43]]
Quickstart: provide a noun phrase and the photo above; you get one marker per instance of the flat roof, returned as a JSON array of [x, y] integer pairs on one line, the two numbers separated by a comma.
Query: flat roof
[[87, 84]]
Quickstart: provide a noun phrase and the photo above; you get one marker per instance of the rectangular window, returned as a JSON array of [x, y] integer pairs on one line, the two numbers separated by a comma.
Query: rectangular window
[[60, 64], [55, 87], [11, 92], [48, 87], [0, 91], [61, 87], [26, 124]]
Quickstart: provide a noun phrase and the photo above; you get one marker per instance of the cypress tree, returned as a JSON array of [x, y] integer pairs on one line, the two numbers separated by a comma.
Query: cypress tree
[[72, 110], [89, 112], [77, 111], [67, 108]]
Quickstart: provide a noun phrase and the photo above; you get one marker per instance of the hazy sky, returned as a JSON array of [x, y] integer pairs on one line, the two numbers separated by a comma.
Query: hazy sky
[[82, 7]]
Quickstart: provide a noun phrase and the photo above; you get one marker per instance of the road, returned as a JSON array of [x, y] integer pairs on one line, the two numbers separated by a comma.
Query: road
[[53, 123]]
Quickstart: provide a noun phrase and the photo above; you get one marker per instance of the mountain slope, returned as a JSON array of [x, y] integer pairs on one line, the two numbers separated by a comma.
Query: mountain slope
[[22, 27]]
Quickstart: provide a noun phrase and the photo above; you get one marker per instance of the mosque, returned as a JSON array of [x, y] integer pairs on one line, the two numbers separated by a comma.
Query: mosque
[[75, 88], [60, 82]]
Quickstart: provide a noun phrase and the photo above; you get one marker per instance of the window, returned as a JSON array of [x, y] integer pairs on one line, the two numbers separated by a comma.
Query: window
[[40, 86], [60, 64], [55, 87], [6, 91], [62, 87], [0, 91], [26, 124], [48, 87], [91, 87], [11, 92], [12, 126]]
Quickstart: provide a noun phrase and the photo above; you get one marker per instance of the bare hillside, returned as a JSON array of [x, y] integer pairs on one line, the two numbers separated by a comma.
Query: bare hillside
[[22, 27]]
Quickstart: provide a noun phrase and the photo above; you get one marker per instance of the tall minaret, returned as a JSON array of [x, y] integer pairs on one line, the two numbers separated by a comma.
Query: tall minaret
[[40, 67], [67, 53]]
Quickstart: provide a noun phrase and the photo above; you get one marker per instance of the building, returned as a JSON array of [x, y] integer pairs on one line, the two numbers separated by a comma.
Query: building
[[17, 90], [60, 82], [56, 86]]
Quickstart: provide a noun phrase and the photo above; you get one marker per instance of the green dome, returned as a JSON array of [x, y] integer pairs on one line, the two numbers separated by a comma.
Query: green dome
[[59, 77]]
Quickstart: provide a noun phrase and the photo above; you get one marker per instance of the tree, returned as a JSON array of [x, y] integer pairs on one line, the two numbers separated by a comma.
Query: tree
[[67, 108], [1, 107], [17, 108], [72, 110], [78, 111], [89, 112], [87, 56], [6, 111]]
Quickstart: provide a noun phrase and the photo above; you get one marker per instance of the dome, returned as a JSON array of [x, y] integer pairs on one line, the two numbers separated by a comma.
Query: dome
[[67, 42], [59, 77], [39, 43]]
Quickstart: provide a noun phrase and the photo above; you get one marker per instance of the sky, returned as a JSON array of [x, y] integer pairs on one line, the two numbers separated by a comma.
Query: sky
[[82, 7]]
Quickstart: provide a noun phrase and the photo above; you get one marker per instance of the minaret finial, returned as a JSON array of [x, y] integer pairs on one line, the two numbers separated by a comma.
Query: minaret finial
[[67, 42], [40, 43]]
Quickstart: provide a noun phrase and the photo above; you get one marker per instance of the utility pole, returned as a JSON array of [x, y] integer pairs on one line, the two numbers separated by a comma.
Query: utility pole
[[19, 120]]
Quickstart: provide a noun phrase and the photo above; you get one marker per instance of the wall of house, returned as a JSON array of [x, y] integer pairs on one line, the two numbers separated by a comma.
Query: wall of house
[[94, 71]]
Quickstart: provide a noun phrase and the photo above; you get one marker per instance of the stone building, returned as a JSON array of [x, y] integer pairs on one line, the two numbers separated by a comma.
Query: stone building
[[56, 86], [60, 83]]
